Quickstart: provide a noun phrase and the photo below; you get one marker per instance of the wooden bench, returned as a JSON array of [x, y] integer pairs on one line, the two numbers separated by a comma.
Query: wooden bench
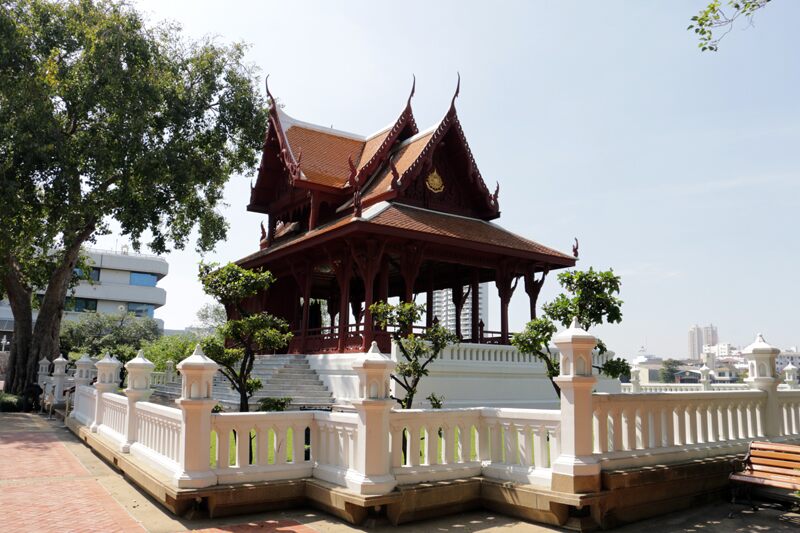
[[774, 469]]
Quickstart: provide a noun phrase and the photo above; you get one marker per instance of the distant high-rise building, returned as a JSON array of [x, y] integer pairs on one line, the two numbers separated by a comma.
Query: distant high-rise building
[[699, 336], [445, 311]]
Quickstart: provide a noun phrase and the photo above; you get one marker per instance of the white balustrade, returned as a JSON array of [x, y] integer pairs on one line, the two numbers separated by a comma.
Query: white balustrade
[[431, 445], [521, 443], [684, 387], [261, 446], [111, 422], [83, 410], [158, 432], [642, 429], [486, 353], [334, 445], [789, 405]]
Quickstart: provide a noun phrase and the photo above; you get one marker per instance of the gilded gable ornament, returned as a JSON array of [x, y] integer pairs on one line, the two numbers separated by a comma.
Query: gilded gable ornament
[[434, 182]]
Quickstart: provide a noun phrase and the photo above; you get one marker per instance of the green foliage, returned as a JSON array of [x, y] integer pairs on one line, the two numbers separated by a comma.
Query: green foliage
[[592, 300], [237, 341], [231, 283], [104, 117], [714, 17], [173, 348], [273, 404], [95, 334], [418, 351], [217, 408], [669, 370], [211, 317], [437, 402], [9, 403]]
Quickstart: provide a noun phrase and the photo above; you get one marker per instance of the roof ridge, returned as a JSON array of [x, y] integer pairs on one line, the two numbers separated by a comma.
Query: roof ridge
[[321, 129]]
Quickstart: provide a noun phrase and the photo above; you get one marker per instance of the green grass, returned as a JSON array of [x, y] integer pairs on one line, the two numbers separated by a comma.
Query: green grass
[[289, 448]]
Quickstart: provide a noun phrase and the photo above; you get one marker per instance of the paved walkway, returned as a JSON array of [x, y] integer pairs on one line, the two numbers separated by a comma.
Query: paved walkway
[[51, 482]]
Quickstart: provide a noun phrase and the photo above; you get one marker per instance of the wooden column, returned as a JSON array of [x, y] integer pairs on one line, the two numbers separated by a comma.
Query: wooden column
[[533, 287], [476, 301], [343, 268], [302, 275], [368, 260], [383, 280], [429, 301], [410, 262], [459, 297], [313, 216], [506, 282]]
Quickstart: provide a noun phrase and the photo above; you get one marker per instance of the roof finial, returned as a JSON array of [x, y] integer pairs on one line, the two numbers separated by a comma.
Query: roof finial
[[413, 89], [269, 94], [575, 248], [395, 174], [496, 194], [458, 89], [353, 179]]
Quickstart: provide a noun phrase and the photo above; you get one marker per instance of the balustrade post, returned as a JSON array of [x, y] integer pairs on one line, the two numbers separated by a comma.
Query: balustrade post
[[83, 371], [761, 364], [107, 381], [59, 378], [636, 380], [576, 470], [169, 374], [371, 473], [196, 403], [790, 371], [705, 381], [43, 373], [138, 389]]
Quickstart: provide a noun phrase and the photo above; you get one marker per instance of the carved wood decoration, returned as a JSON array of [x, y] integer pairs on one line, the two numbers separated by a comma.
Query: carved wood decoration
[[533, 287]]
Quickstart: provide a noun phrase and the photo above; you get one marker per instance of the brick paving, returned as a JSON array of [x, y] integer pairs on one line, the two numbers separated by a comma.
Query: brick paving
[[265, 526], [28, 454]]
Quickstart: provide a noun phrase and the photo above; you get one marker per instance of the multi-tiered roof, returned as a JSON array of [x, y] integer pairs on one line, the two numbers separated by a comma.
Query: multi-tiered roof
[[411, 205]]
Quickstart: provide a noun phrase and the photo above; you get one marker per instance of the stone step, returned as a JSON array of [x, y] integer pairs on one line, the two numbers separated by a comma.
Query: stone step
[[304, 380], [277, 393]]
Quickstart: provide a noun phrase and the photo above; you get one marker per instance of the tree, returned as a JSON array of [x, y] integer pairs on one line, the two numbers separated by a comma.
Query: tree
[[173, 348], [669, 370], [592, 302], [103, 118], [122, 334], [211, 317], [714, 17], [241, 338], [418, 351]]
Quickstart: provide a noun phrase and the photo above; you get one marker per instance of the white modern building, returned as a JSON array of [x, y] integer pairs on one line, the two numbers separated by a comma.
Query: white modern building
[[119, 281], [445, 311], [700, 336]]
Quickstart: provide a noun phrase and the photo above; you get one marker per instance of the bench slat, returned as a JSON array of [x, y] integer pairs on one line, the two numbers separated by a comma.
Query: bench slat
[[770, 482], [792, 457], [791, 472], [761, 445], [773, 462]]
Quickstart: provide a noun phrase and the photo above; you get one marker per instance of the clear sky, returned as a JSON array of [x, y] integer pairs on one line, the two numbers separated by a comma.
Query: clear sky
[[600, 120]]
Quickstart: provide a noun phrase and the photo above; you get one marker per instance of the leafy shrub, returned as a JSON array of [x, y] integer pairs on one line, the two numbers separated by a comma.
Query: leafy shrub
[[9, 403], [273, 404]]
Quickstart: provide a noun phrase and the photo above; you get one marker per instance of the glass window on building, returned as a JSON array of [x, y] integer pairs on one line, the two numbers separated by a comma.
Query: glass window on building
[[94, 274], [143, 279], [80, 305], [141, 310]]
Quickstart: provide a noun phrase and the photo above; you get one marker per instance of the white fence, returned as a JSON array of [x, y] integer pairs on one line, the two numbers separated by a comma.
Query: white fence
[[376, 448]]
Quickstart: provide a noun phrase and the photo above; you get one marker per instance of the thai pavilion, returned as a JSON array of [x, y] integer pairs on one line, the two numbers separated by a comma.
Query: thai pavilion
[[353, 220]]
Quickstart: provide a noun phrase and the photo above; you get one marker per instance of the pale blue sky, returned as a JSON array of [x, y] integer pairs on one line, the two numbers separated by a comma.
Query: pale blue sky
[[600, 120]]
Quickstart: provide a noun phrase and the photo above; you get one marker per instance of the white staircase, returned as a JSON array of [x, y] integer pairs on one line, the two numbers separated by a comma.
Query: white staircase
[[282, 376]]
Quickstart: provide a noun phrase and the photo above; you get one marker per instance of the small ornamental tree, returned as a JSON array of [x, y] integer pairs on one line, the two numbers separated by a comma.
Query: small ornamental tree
[[240, 339], [669, 370], [592, 302], [418, 351]]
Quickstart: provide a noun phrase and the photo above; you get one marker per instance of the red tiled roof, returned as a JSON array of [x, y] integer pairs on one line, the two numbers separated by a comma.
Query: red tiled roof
[[324, 156], [456, 227], [434, 223], [403, 159]]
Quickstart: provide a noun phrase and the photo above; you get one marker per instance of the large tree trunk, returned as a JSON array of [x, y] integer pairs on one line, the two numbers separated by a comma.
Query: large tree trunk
[[45, 342], [31, 343], [21, 367]]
